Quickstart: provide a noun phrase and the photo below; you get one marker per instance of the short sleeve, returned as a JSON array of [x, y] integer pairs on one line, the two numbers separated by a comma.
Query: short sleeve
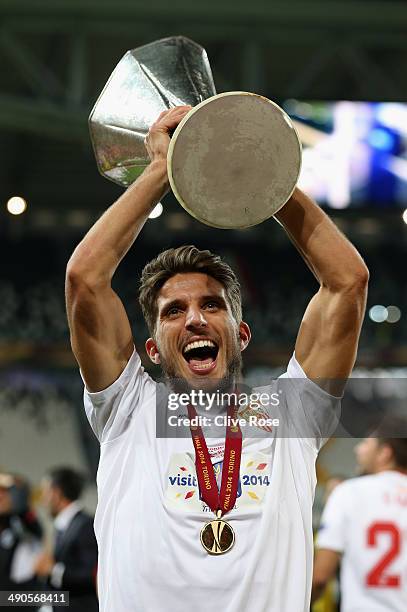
[[333, 527], [109, 411], [310, 412]]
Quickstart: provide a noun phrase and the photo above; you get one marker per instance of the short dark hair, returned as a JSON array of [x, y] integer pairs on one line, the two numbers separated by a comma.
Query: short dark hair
[[399, 450], [69, 481], [180, 260], [391, 432]]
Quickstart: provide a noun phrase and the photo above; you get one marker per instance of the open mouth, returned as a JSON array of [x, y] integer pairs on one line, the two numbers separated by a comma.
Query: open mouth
[[201, 355]]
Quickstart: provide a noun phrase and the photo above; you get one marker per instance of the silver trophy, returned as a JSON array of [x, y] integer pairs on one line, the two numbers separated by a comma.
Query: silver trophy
[[234, 159], [148, 80]]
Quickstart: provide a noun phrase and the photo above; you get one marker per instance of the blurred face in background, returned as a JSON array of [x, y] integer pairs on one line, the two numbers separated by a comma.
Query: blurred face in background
[[51, 497], [372, 456]]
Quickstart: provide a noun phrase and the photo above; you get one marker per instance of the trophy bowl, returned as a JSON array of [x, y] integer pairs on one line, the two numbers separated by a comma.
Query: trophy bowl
[[148, 80]]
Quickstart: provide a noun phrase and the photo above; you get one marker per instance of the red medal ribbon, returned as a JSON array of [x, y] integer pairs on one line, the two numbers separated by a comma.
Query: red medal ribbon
[[225, 499]]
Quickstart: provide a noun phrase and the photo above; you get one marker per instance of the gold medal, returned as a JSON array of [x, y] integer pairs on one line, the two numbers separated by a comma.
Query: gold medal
[[217, 537]]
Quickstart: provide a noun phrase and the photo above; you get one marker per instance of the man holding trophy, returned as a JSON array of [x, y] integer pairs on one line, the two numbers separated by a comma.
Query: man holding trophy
[[199, 522]]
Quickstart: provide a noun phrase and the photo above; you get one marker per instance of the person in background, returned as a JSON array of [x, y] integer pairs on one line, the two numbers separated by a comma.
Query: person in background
[[365, 524], [72, 565], [20, 536]]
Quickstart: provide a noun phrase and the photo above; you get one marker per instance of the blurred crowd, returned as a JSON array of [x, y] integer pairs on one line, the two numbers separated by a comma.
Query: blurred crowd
[[30, 559], [360, 554], [34, 310]]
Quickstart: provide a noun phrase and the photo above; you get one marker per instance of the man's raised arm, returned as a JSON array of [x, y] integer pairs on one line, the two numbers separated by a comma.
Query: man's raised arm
[[327, 341], [101, 336]]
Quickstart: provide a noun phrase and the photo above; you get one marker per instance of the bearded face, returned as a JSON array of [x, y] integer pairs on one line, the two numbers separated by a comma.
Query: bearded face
[[198, 342], [200, 355], [366, 455]]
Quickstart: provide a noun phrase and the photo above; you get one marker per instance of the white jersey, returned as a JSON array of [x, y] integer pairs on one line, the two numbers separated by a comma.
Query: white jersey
[[150, 514], [366, 520]]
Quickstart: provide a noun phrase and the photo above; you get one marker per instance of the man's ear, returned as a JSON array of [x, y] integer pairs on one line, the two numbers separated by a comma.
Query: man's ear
[[244, 335], [152, 351]]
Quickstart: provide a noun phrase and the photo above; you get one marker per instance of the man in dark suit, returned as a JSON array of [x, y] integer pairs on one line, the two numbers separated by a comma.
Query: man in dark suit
[[72, 566]]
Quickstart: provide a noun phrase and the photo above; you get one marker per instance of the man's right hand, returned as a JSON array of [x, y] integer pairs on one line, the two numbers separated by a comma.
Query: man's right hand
[[157, 140]]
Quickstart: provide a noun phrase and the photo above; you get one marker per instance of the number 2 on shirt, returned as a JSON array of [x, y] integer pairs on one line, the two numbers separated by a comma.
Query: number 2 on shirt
[[377, 576]]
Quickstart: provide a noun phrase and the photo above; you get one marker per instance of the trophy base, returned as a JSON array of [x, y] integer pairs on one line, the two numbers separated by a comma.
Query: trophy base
[[234, 160]]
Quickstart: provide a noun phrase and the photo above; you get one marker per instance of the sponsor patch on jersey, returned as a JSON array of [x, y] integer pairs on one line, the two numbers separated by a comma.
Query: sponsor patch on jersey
[[182, 485]]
